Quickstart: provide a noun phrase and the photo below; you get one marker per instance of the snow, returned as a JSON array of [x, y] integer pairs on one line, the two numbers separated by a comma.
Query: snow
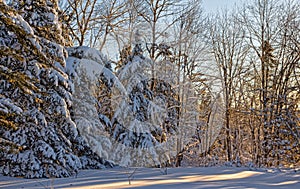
[[6, 104], [46, 142], [21, 22], [146, 178], [88, 53], [90, 62]]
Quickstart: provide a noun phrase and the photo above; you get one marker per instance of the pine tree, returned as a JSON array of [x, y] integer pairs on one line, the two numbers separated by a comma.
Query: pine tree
[[36, 96], [93, 79], [144, 119]]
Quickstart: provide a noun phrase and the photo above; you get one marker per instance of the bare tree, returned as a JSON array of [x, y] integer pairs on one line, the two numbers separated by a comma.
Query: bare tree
[[187, 57], [92, 22], [265, 23], [229, 52], [81, 14]]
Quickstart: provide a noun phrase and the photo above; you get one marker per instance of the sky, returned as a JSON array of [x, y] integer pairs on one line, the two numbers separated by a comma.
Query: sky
[[211, 6]]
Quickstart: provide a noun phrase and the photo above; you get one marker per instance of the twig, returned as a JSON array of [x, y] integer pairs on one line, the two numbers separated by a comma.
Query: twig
[[130, 175]]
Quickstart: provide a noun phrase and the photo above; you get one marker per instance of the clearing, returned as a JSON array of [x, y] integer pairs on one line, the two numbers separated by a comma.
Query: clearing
[[145, 178]]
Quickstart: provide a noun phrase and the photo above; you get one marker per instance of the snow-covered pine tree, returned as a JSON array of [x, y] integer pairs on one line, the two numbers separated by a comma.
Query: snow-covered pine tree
[[103, 106], [144, 121], [36, 96], [176, 69], [93, 79]]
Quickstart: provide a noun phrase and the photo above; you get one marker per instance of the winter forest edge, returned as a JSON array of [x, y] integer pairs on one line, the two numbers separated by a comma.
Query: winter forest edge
[[89, 84]]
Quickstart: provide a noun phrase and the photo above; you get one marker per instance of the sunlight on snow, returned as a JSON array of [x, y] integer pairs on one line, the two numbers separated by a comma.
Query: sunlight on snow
[[183, 179], [240, 175], [285, 183]]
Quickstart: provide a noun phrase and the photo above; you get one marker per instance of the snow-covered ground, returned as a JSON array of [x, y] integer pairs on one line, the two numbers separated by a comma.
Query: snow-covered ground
[[204, 177]]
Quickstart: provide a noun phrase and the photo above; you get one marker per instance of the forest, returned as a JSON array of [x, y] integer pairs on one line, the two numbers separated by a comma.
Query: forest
[[91, 84]]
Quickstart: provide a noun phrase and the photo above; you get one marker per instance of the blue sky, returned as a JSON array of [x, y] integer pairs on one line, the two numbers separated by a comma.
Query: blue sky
[[211, 6]]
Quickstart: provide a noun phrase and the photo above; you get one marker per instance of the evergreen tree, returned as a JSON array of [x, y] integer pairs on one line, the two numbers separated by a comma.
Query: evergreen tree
[[145, 119], [93, 79], [36, 96]]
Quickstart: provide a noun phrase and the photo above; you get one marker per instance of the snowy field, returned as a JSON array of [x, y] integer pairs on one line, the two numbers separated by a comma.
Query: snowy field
[[204, 177]]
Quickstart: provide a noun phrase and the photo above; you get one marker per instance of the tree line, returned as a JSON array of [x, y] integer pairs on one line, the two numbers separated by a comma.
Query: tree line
[[247, 58], [242, 65]]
